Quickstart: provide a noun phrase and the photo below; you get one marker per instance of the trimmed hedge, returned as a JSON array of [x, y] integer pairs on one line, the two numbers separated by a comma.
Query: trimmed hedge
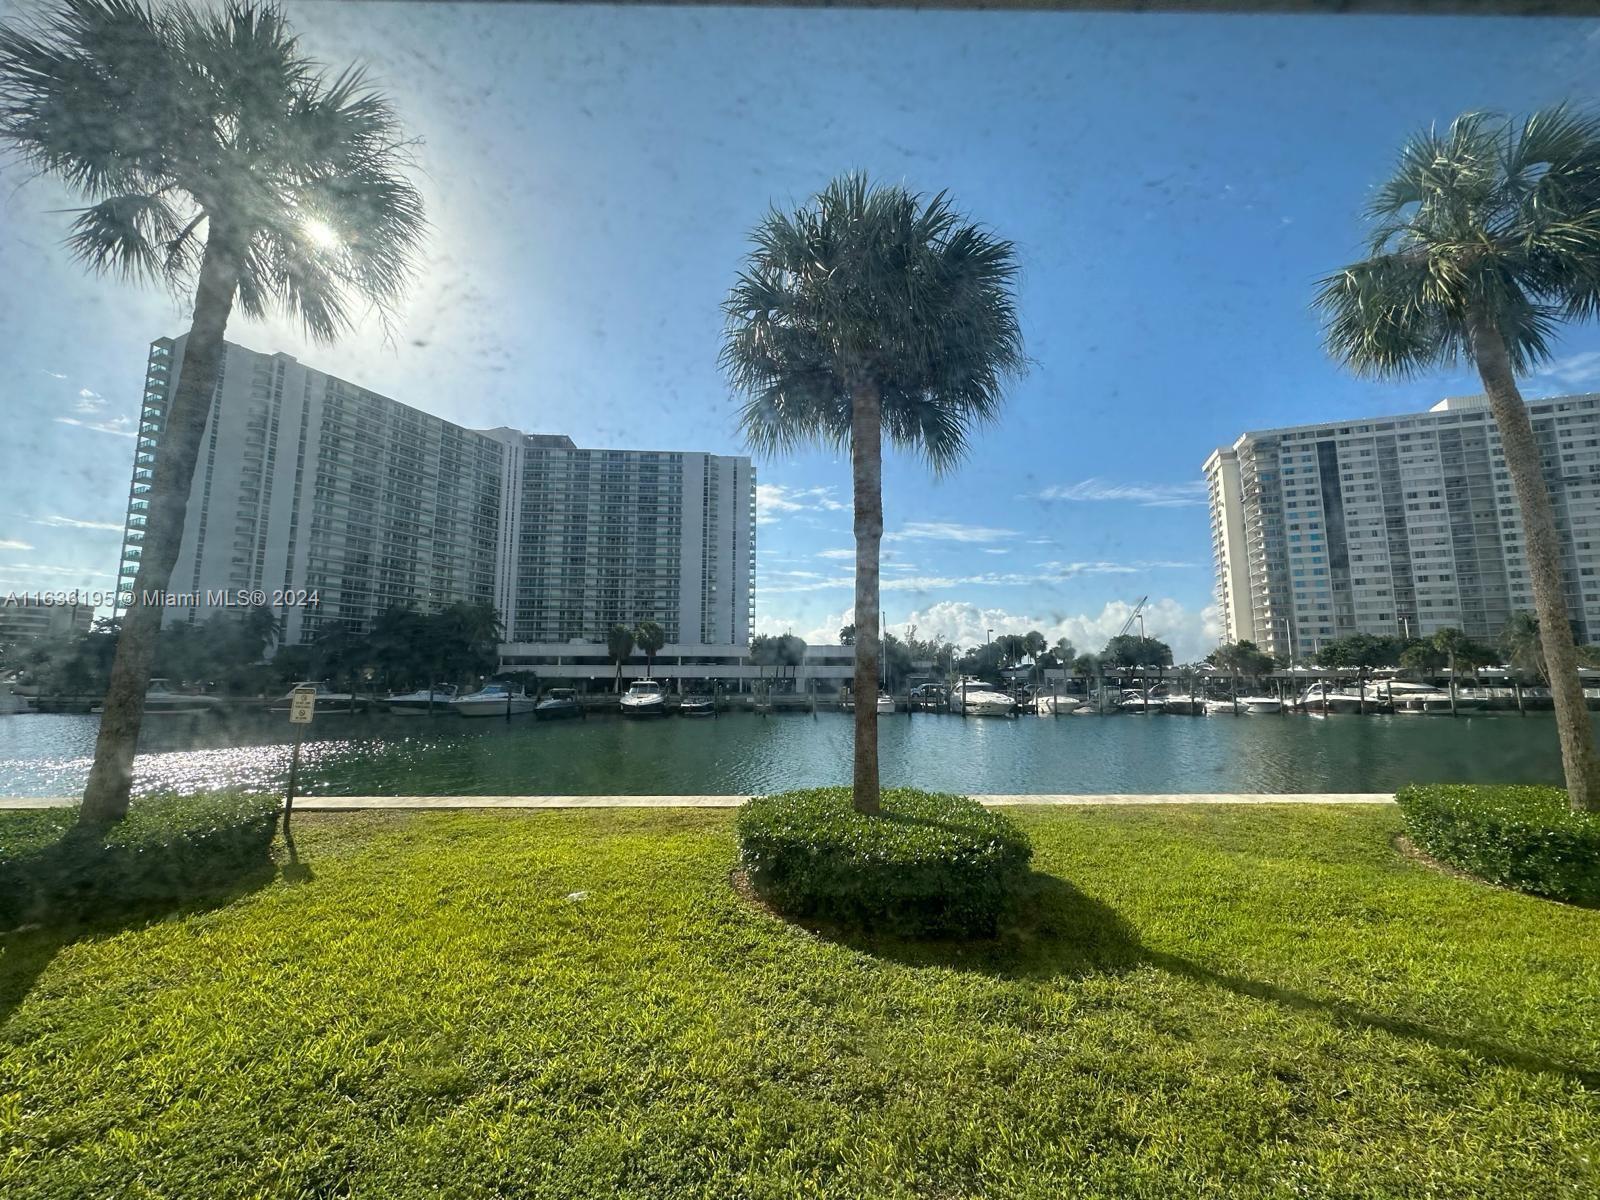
[[928, 864], [167, 848], [1522, 837]]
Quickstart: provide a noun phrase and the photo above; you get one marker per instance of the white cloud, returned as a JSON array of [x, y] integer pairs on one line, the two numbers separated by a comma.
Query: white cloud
[[89, 402], [1574, 370], [1148, 495], [46, 569], [947, 531], [121, 426], [55, 521], [841, 555], [52, 374], [774, 498], [13, 544]]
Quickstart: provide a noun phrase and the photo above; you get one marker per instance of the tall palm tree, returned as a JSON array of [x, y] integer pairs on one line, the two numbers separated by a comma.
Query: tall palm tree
[[1484, 239], [619, 644], [212, 154], [1036, 644], [1519, 646], [649, 637], [870, 312]]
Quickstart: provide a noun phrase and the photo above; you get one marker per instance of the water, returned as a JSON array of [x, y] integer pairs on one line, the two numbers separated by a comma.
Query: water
[[44, 755]]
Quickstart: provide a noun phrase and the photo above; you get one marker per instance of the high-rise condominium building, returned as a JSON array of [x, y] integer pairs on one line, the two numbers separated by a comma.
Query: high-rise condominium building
[[335, 503], [1397, 525]]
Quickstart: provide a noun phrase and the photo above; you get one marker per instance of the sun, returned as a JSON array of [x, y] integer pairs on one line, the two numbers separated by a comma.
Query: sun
[[320, 234]]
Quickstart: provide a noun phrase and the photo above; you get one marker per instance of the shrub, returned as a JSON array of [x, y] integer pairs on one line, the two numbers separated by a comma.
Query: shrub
[[1523, 837], [928, 864], [167, 848]]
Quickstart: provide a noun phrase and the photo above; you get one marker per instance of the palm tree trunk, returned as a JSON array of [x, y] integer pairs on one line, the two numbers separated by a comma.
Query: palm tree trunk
[[866, 468], [1578, 760], [1451, 667], [105, 797]]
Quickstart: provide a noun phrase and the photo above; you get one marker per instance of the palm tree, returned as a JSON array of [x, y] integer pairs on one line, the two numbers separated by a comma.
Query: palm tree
[[1450, 643], [619, 644], [649, 637], [1520, 646], [212, 152], [1484, 239], [1034, 640], [872, 312]]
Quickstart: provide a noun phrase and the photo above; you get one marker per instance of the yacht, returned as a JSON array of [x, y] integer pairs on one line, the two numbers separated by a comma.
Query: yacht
[[698, 706], [1257, 706], [558, 704], [162, 697], [1184, 706], [645, 699], [1056, 705], [975, 698], [1138, 702], [1410, 697], [494, 700], [326, 697], [423, 701], [885, 703], [1338, 700]]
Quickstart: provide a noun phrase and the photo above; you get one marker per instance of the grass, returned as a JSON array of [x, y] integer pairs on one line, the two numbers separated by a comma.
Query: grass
[[1205, 1002]]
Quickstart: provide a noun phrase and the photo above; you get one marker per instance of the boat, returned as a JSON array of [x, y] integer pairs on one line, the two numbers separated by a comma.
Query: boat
[[326, 697], [1184, 706], [973, 697], [1320, 697], [1138, 702], [1423, 698], [558, 704], [885, 703], [698, 706], [162, 697], [423, 701], [1051, 706], [645, 699], [494, 700], [1257, 706]]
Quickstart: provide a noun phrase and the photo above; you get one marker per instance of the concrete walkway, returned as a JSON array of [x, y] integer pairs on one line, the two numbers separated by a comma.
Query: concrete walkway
[[349, 803]]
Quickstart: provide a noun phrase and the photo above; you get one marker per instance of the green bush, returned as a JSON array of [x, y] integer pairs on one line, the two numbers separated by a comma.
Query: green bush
[[167, 848], [927, 865], [1523, 837]]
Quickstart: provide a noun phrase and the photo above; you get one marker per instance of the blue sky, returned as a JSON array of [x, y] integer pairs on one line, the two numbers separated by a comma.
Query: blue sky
[[1175, 185]]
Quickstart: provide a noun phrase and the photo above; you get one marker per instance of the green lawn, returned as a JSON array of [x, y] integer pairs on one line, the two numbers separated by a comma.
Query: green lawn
[[1228, 1002]]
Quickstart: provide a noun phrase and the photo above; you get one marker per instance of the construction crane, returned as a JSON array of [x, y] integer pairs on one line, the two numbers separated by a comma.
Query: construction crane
[[1135, 616]]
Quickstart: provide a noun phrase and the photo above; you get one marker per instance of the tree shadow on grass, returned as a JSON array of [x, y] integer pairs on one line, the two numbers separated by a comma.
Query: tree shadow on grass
[[26, 953], [1055, 931]]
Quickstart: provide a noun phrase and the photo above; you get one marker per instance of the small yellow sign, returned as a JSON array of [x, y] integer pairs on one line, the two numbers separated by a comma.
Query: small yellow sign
[[301, 705]]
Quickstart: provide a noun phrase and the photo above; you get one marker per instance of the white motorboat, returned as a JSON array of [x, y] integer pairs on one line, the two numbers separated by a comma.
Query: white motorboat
[[885, 703], [1257, 706], [1410, 697], [1184, 706], [1338, 700], [494, 700], [162, 697], [975, 698], [646, 698], [1138, 702], [424, 701], [1056, 705]]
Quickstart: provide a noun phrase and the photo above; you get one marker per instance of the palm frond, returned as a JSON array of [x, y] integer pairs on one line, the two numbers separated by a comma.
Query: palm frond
[[872, 285], [184, 124]]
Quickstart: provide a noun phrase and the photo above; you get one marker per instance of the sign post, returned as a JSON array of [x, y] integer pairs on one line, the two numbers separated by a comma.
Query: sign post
[[302, 706]]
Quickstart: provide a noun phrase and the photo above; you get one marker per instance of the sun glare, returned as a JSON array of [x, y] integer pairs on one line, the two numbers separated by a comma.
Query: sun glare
[[320, 234]]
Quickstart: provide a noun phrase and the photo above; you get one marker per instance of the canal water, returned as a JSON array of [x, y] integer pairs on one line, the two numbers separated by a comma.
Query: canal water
[[377, 754]]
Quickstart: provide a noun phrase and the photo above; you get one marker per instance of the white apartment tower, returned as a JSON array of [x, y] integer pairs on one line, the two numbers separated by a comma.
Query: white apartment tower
[[307, 483], [1397, 525]]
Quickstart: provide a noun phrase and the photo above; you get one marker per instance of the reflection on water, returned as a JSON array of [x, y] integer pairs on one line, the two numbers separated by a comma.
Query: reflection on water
[[43, 755]]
